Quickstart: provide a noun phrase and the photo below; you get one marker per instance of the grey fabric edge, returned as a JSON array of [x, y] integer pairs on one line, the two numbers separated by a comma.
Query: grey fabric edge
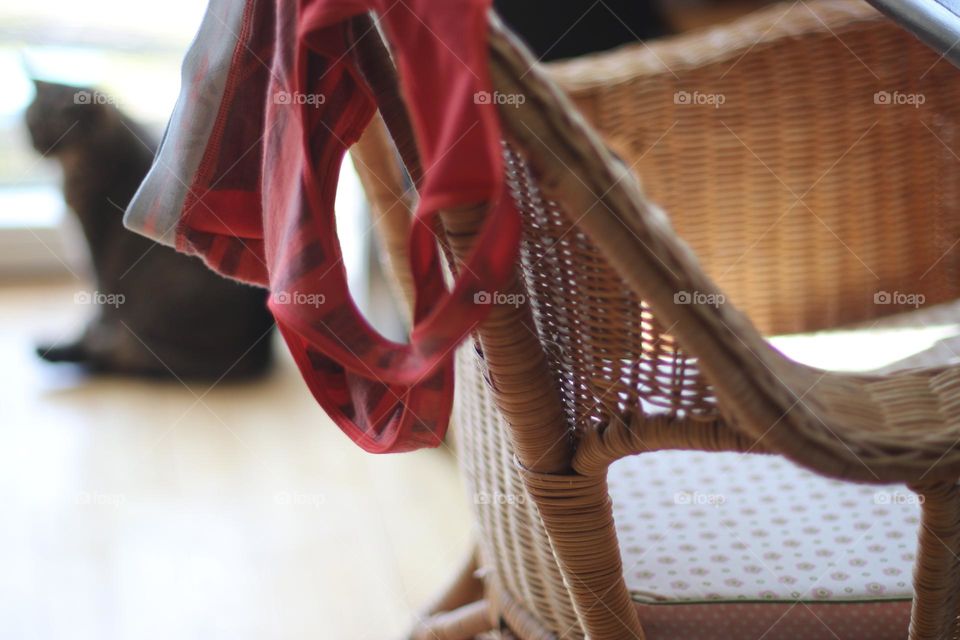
[[930, 21], [155, 208]]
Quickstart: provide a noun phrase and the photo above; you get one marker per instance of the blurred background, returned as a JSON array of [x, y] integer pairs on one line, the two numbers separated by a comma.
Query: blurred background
[[137, 508]]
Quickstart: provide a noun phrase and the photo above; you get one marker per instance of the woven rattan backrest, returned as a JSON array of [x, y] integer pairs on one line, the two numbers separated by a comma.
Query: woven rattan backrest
[[796, 152]]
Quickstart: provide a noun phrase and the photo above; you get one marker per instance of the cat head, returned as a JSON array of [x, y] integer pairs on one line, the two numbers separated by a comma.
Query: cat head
[[62, 116]]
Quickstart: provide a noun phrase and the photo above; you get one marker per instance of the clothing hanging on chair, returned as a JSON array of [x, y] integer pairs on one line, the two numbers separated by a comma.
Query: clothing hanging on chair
[[247, 173]]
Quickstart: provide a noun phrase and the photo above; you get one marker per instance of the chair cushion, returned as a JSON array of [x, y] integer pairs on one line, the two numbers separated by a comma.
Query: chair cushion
[[753, 546], [752, 542]]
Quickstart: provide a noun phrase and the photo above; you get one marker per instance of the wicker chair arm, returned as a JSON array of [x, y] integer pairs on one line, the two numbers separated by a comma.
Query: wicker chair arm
[[854, 427], [635, 434]]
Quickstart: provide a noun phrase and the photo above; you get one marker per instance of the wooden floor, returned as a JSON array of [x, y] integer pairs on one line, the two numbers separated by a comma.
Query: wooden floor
[[138, 511]]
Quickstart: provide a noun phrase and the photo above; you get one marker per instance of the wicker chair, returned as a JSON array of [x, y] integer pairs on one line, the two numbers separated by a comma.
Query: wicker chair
[[622, 344]]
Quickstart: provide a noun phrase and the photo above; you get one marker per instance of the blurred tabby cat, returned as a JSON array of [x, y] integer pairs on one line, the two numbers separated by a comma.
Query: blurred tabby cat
[[172, 314]]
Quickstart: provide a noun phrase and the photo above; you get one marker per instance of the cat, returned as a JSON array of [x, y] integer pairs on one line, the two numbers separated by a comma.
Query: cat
[[157, 312]]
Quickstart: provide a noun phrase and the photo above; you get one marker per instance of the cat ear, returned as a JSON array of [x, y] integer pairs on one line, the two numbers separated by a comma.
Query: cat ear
[[43, 90], [28, 69]]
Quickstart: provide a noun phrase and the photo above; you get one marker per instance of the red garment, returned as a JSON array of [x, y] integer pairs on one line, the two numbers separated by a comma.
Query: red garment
[[261, 210]]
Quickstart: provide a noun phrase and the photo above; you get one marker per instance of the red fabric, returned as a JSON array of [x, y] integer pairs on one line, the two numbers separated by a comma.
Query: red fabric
[[263, 210]]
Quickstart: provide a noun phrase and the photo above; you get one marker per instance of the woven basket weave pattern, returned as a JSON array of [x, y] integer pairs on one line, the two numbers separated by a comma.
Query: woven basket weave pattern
[[799, 193]]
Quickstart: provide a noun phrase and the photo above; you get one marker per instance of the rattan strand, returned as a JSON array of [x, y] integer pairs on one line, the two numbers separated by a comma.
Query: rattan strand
[[577, 511], [635, 434], [525, 393], [937, 570], [514, 544], [460, 624], [520, 621]]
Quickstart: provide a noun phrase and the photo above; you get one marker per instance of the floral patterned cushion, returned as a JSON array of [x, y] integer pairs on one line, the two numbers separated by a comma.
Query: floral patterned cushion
[[771, 541]]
